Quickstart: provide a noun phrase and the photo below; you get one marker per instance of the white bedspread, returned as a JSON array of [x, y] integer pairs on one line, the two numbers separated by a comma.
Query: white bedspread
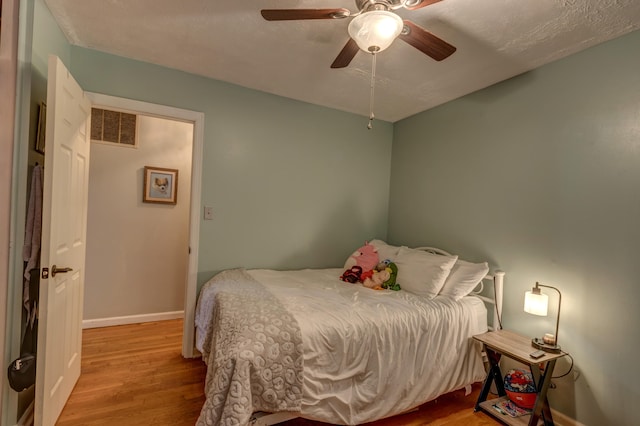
[[372, 354]]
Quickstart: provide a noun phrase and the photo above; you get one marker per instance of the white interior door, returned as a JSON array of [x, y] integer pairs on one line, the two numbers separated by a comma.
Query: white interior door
[[66, 174]]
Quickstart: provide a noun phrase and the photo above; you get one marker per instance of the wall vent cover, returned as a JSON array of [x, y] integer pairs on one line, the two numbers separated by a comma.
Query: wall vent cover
[[113, 127]]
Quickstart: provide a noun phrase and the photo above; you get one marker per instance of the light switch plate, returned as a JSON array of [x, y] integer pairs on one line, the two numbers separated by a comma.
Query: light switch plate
[[208, 213]]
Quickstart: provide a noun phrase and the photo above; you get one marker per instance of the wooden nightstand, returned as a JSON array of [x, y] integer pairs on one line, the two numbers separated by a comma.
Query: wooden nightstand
[[517, 347]]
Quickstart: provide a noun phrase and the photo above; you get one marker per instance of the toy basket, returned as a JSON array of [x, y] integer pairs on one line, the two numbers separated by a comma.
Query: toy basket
[[521, 388]]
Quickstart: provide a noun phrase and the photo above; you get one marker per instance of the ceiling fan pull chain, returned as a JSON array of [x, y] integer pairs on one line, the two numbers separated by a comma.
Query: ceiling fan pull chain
[[373, 83]]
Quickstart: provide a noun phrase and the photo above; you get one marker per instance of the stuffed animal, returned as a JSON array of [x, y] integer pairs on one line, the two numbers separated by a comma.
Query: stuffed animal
[[352, 275], [382, 277], [366, 275], [376, 280], [366, 257], [391, 283]]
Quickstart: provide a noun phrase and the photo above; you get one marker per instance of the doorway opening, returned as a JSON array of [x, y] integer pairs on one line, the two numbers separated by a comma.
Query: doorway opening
[[167, 121]]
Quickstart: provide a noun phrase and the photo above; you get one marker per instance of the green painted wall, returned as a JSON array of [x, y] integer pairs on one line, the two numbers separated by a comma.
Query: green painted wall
[[292, 184], [540, 176], [48, 39]]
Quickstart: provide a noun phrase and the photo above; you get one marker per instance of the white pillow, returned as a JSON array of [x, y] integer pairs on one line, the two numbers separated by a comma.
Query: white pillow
[[423, 273], [385, 251], [464, 277]]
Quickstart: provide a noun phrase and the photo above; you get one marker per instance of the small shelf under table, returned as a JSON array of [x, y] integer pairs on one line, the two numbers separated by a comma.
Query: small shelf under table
[[487, 408]]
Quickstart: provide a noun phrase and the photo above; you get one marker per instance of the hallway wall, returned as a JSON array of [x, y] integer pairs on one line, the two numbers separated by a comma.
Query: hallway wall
[[137, 252]]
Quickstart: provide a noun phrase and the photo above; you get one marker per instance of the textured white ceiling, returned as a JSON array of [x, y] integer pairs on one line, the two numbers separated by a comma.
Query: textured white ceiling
[[228, 40]]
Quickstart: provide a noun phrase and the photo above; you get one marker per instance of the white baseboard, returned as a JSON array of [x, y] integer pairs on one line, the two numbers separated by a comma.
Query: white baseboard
[[564, 420], [131, 319]]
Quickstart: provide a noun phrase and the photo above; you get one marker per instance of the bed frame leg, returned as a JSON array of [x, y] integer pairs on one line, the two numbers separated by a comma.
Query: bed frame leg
[[267, 419]]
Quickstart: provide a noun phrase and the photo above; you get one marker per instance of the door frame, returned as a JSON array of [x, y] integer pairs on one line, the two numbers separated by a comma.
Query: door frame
[[197, 118], [10, 107]]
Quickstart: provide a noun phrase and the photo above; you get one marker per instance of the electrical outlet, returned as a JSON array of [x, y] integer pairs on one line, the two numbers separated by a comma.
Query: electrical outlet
[[208, 213]]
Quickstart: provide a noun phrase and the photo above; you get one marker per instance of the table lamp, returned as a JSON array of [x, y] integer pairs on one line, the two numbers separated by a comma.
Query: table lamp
[[536, 303]]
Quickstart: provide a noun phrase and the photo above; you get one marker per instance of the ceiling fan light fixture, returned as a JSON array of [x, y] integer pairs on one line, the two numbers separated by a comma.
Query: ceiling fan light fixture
[[375, 30]]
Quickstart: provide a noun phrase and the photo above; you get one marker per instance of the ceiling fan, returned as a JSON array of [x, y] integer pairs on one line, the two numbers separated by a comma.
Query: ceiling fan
[[362, 32]]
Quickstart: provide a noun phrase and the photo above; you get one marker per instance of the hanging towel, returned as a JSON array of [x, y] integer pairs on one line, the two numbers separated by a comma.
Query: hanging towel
[[33, 233]]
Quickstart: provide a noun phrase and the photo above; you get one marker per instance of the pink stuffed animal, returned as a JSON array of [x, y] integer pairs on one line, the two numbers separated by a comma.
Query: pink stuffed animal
[[366, 257]]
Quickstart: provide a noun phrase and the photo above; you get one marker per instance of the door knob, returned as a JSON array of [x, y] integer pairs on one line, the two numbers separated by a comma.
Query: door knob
[[55, 270]]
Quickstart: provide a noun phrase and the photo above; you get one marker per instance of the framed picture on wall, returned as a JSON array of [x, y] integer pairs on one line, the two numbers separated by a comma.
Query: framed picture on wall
[[41, 129], [160, 185]]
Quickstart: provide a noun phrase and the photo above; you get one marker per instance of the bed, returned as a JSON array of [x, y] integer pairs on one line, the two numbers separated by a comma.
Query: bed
[[303, 343]]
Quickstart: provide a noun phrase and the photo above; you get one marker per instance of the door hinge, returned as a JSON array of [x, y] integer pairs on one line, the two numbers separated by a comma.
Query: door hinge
[[45, 273]]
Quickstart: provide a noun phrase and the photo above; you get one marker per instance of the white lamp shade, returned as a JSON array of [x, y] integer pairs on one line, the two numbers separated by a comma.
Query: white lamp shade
[[374, 31], [536, 304]]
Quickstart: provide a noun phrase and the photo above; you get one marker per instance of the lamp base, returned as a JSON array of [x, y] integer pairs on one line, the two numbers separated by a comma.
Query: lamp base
[[538, 343]]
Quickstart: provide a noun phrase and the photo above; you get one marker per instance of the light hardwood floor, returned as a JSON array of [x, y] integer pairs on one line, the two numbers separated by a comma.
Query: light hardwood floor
[[134, 375]]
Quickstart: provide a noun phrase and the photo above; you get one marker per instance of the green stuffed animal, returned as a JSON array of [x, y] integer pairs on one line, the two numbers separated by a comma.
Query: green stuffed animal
[[392, 268]]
